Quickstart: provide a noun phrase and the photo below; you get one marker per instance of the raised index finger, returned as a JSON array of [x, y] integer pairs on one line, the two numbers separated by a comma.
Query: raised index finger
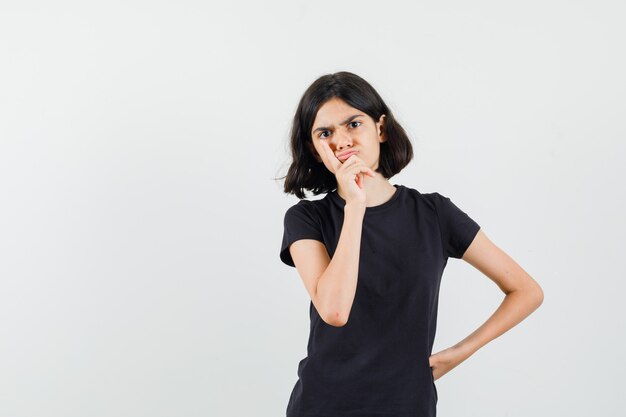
[[334, 161]]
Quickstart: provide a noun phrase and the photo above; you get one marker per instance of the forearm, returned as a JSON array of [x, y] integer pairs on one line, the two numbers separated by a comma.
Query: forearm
[[336, 287], [515, 307]]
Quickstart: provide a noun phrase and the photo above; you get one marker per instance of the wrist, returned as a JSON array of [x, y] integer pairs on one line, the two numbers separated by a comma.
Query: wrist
[[356, 208], [464, 349]]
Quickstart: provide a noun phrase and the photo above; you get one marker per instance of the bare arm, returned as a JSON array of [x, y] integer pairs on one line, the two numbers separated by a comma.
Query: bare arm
[[337, 285], [523, 295], [332, 283]]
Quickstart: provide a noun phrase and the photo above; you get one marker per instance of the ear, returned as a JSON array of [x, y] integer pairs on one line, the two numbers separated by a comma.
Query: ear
[[379, 128]]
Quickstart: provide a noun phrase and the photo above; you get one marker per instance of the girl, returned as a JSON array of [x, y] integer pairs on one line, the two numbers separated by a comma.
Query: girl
[[371, 256]]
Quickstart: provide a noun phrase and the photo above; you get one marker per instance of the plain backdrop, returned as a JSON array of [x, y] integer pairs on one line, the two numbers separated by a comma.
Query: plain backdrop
[[140, 221]]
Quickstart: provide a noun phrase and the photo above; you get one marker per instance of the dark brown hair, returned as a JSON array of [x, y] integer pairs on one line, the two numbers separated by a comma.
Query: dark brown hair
[[305, 172]]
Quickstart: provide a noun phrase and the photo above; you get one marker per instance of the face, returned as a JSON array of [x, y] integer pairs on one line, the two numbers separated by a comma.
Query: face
[[344, 128]]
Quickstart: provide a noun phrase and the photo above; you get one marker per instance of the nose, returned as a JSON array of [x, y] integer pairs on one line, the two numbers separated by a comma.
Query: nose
[[342, 139]]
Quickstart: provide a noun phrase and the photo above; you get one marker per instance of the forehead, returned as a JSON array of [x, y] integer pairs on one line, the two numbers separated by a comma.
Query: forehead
[[333, 112]]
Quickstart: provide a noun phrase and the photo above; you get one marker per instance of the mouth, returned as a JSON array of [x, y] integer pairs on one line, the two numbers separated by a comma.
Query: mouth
[[346, 155]]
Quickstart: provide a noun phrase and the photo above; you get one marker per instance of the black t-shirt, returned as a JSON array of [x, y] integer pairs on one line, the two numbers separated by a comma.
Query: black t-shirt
[[377, 364]]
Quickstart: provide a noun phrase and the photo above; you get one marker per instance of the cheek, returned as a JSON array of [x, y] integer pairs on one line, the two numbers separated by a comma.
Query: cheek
[[313, 149], [319, 152]]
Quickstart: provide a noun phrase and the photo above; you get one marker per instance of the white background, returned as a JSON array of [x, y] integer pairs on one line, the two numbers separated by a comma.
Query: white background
[[140, 221]]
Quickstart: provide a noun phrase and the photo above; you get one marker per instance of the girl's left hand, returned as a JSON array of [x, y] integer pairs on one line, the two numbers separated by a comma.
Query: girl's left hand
[[446, 360]]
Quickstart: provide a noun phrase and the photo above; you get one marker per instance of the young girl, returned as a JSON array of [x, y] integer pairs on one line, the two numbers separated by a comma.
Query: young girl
[[371, 256]]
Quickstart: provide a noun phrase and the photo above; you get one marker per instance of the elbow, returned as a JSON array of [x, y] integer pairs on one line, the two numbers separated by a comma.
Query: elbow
[[331, 311], [537, 292], [334, 304], [335, 319], [534, 294], [538, 296], [531, 293]]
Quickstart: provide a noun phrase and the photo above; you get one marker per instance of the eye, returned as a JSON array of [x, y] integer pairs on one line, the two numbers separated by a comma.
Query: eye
[[359, 123], [323, 137]]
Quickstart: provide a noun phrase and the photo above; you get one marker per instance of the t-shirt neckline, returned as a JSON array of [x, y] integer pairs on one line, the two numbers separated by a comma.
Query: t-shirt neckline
[[373, 209]]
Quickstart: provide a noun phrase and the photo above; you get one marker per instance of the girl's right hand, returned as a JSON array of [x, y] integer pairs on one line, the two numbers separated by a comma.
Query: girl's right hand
[[348, 173]]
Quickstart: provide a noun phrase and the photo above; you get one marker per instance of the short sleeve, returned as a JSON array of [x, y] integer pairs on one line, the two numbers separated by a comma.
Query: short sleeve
[[458, 230], [300, 222]]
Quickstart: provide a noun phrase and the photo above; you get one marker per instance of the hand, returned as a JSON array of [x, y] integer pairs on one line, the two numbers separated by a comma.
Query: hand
[[348, 173], [446, 360]]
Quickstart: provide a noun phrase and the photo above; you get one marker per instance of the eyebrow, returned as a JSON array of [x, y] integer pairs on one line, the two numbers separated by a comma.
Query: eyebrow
[[348, 120]]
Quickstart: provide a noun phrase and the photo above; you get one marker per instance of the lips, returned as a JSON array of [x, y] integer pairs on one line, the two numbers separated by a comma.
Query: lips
[[346, 155]]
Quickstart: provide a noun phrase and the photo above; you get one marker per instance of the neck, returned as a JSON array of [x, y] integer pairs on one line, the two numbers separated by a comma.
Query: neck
[[378, 190]]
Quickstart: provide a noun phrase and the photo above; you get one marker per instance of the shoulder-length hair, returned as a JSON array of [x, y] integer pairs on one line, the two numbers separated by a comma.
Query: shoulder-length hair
[[305, 172]]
